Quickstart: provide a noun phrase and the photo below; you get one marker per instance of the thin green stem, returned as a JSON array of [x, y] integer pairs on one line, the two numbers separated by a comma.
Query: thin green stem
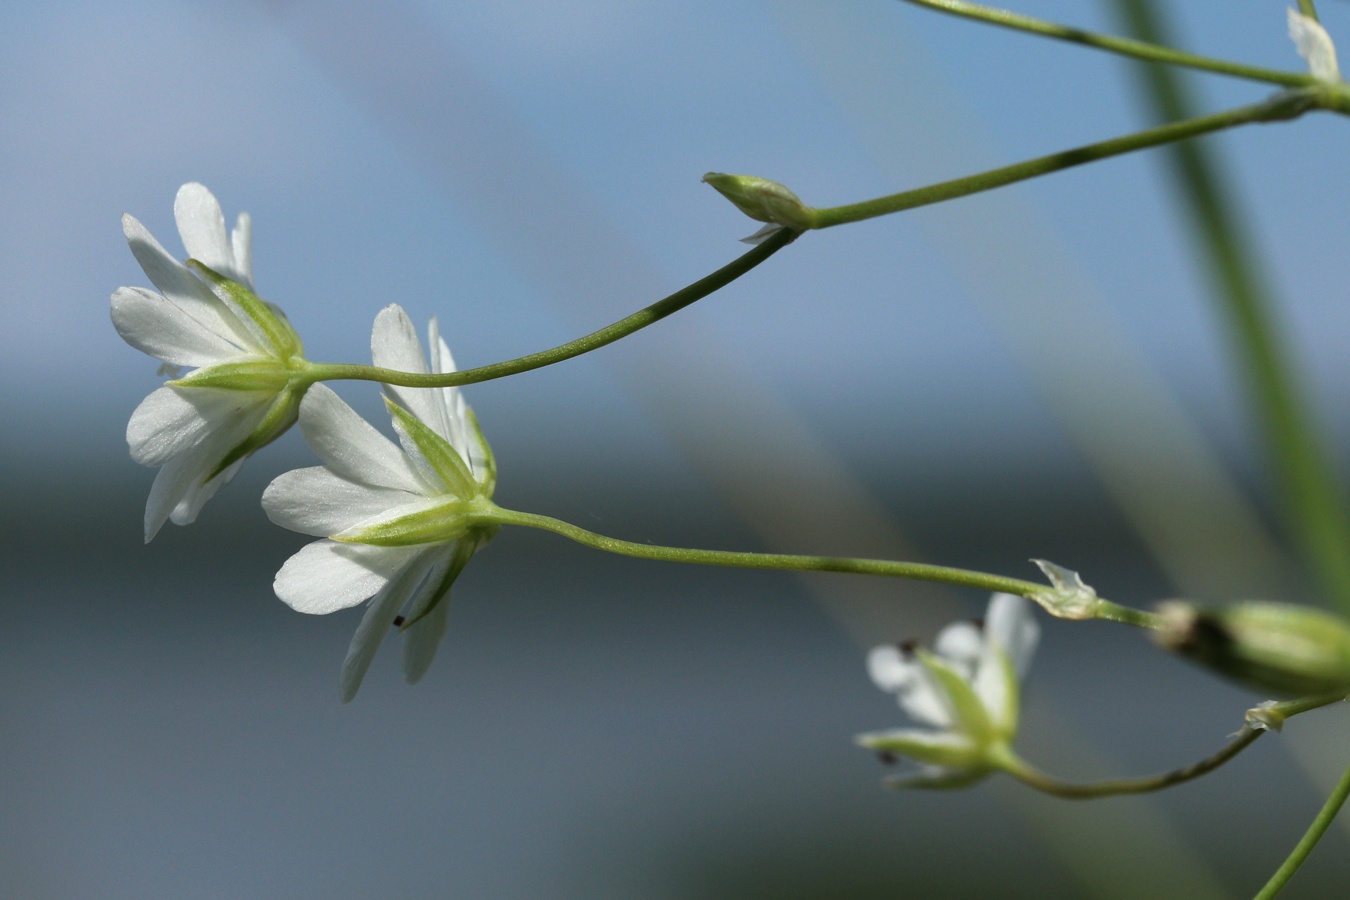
[[1310, 838], [1030, 775], [1124, 46], [777, 561], [1286, 105], [1312, 496], [1103, 609], [1258, 722], [607, 335]]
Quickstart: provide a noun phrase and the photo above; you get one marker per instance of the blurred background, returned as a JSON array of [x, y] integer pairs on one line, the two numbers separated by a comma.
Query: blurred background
[[1038, 372]]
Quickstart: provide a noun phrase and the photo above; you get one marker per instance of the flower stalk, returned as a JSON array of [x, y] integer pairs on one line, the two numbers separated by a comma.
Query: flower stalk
[[1135, 49]]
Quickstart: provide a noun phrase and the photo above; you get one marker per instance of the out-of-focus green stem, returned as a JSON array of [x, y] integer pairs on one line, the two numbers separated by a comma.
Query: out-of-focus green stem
[[1310, 838], [1312, 496], [1123, 46], [1308, 8]]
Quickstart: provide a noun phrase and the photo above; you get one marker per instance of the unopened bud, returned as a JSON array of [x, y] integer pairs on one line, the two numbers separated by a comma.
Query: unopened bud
[[1279, 647], [763, 200]]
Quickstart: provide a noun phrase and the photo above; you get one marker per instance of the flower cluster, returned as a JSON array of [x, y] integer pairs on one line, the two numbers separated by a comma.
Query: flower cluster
[[399, 523]]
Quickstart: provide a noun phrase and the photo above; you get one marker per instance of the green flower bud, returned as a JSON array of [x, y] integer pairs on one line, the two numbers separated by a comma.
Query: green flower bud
[[1277, 647], [763, 200]]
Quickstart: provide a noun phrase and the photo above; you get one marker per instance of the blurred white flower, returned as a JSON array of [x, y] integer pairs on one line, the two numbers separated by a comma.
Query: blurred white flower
[[399, 524], [1315, 46], [966, 689], [239, 396]]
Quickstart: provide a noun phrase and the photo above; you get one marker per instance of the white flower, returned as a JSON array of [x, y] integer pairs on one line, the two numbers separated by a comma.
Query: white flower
[[1315, 46], [400, 523], [966, 690], [200, 428]]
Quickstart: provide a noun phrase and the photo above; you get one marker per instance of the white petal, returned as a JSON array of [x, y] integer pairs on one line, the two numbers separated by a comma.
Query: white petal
[[160, 328], [925, 700], [394, 345], [326, 576], [1010, 622], [179, 491], [350, 446], [1315, 46], [315, 501], [375, 624], [891, 668], [960, 644], [187, 509], [454, 412], [173, 419], [201, 225], [996, 685], [183, 288], [241, 240], [425, 635]]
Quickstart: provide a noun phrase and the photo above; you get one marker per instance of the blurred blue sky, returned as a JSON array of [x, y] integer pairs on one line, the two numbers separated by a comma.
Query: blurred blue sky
[[985, 377]]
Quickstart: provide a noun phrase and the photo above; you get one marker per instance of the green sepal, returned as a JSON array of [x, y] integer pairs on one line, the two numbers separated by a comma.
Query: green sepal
[[488, 478], [972, 719], [267, 316], [446, 521], [265, 375], [444, 459], [948, 749]]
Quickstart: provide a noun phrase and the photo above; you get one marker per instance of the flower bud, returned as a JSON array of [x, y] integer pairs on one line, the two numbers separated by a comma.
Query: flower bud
[[1277, 647], [763, 200]]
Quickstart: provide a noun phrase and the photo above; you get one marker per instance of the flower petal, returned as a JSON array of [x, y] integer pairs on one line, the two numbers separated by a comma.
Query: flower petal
[[184, 289], [315, 501], [173, 419], [201, 225], [375, 624], [996, 685], [351, 447], [160, 328], [1315, 46], [394, 345], [1010, 622], [241, 241], [891, 668], [180, 489], [326, 576], [960, 644]]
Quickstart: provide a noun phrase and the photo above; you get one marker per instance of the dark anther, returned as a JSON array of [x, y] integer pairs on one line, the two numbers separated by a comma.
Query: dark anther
[[907, 647], [887, 757], [398, 621]]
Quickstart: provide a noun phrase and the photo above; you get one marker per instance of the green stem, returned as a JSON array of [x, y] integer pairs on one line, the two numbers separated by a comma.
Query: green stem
[[1286, 105], [1308, 9], [1104, 609], [1124, 46], [1030, 775], [1313, 501], [1270, 717], [607, 335], [778, 561], [1310, 838]]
